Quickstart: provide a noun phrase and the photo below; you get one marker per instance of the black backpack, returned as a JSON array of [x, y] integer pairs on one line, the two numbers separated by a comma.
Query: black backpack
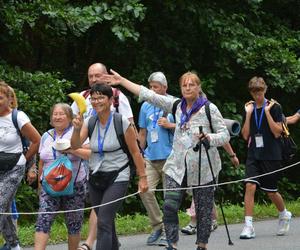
[[118, 124]]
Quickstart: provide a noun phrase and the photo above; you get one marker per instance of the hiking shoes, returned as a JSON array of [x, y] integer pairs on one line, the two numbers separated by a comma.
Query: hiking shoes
[[189, 229], [284, 224], [247, 233], [154, 237]]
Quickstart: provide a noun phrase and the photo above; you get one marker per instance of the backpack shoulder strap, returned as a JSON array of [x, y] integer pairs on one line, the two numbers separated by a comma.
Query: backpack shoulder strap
[[116, 103], [118, 123], [91, 125], [14, 117], [86, 93], [174, 108], [207, 112]]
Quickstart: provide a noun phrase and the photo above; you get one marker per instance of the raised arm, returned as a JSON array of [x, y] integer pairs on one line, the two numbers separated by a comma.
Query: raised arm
[[117, 79], [293, 118], [80, 132]]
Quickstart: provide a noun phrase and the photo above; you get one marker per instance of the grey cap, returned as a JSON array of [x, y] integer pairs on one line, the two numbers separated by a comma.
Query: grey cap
[[158, 77]]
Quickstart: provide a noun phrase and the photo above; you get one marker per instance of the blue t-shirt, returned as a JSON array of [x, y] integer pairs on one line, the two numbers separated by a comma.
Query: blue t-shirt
[[160, 148]]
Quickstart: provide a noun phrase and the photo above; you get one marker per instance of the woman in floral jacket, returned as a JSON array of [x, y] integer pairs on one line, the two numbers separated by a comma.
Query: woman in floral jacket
[[183, 167]]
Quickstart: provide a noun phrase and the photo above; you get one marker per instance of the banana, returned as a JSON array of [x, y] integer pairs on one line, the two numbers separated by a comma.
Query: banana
[[80, 101]]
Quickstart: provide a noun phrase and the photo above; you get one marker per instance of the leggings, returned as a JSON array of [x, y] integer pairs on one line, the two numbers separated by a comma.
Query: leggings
[[204, 200], [106, 231], [9, 182]]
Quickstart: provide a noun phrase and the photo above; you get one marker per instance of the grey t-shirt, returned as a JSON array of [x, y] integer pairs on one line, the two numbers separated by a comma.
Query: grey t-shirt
[[114, 157]]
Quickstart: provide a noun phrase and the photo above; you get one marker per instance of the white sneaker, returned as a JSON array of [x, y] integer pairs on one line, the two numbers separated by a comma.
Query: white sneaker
[[284, 223], [247, 233]]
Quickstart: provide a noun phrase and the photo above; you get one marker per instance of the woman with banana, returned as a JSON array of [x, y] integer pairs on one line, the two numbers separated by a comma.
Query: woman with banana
[[108, 164]]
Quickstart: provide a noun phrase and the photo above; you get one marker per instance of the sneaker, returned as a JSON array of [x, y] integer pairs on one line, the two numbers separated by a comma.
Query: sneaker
[[247, 233], [163, 240], [5, 247], [284, 224], [214, 225], [189, 229], [154, 237]]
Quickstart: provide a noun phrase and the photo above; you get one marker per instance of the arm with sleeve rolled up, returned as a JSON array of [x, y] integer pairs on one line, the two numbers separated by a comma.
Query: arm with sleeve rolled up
[[137, 158], [233, 158], [293, 118]]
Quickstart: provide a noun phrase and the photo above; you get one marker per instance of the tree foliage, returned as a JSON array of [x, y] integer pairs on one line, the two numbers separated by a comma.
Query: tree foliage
[[46, 46]]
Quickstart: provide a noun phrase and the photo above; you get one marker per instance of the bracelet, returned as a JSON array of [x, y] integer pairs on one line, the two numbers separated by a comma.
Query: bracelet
[[142, 176], [233, 155]]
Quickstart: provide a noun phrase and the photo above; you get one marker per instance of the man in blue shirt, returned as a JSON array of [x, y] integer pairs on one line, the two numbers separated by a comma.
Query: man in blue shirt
[[156, 137]]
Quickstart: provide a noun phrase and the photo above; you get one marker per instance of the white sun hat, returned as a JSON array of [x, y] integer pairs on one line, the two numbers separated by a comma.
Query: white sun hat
[[61, 144]]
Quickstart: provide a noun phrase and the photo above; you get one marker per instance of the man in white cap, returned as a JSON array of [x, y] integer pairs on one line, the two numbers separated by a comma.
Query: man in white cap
[[156, 137]]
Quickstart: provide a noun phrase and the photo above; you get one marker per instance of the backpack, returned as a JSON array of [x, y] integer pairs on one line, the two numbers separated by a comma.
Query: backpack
[[289, 147], [58, 179], [118, 124], [116, 93]]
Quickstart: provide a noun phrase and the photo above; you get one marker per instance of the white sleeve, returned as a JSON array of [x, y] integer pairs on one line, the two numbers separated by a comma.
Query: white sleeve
[[22, 119], [124, 106]]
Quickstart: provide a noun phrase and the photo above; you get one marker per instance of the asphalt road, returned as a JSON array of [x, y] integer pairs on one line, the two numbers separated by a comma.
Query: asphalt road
[[266, 239]]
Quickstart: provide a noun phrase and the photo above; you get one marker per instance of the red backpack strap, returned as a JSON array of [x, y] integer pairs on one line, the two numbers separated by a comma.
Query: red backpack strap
[[86, 93], [116, 93]]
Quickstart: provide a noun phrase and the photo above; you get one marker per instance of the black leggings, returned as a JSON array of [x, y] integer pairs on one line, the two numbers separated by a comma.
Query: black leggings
[[106, 231]]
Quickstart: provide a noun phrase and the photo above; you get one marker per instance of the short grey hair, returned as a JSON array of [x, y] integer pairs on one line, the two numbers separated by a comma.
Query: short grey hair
[[158, 77]]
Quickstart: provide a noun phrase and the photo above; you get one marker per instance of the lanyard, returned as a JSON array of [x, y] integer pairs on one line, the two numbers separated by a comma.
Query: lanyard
[[100, 143], [155, 117], [54, 138], [258, 123]]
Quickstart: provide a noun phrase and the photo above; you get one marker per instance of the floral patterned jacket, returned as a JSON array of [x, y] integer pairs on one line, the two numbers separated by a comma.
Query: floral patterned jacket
[[183, 157]]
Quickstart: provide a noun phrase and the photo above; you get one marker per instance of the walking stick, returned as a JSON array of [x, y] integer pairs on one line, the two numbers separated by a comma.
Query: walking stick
[[206, 146]]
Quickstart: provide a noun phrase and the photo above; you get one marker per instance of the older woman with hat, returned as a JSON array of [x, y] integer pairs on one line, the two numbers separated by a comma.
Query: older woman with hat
[[54, 143]]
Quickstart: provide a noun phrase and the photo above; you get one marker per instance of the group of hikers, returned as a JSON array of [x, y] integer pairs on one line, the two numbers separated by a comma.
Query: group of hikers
[[106, 148]]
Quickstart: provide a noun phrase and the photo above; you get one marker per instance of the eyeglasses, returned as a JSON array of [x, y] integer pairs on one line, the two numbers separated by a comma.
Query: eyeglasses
[[97, 99]]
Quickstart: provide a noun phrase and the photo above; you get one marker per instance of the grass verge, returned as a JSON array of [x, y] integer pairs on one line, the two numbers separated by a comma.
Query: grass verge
[[137, 224]]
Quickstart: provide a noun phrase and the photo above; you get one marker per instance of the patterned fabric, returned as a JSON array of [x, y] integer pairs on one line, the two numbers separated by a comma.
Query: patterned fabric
[[49, 204], [185, 139], [9, 182]]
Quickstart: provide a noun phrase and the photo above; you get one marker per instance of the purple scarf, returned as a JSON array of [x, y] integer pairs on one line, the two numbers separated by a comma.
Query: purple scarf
[[185, 116]]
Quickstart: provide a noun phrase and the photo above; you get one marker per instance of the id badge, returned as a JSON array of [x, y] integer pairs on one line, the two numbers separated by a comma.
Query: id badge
[[154, 135], [259, 142]]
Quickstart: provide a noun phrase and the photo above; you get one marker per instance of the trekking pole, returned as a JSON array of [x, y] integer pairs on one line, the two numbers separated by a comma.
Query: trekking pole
[[206, 146]]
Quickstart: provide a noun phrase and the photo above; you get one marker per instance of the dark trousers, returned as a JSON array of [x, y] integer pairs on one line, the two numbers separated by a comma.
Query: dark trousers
[[106, 231]]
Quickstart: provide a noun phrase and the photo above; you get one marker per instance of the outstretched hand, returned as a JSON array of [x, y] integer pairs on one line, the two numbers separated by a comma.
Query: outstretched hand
[[114, 79]]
